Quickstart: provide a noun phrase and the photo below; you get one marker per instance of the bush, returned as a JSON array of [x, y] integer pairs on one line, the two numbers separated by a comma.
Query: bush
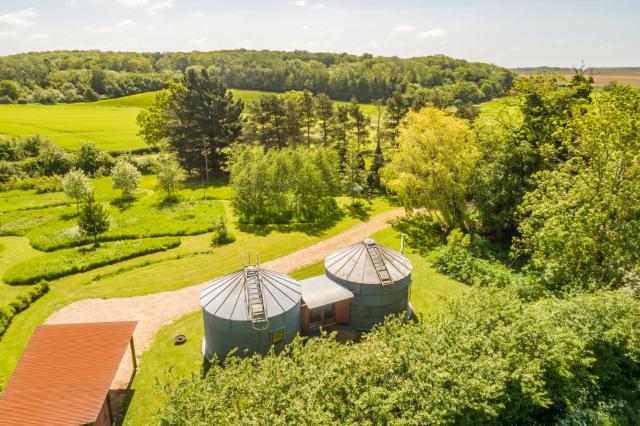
[[456, 260], [42, 184], [221, 234], [488, 358], [71, 261], [21, 303]]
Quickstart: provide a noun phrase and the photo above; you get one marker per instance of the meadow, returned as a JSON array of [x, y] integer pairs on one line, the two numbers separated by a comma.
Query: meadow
[[109, 123], [165, 362]]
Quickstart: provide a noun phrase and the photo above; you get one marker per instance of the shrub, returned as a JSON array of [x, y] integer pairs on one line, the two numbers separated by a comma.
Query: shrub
[[88, 158], [170, 175], [221, 234], [21, 303], [126, 177], [42, 184], [71, 261], [456, 260]]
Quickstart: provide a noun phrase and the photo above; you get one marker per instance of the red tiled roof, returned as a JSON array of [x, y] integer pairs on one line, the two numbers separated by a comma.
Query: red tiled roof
[[65, 373]]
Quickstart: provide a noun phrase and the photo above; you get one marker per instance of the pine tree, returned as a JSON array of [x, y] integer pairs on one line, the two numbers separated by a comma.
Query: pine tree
[[93, 219], [203, 119], [325, 114]]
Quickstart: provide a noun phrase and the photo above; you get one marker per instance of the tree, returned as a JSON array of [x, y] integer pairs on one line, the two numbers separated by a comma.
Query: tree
[[93, 219], [293, 118], [360, 122], [581, 225], [307, 111], [324, 112], [126, 177], [98, 81], [203, 119], [396, 110], [152, 121], [170, 175], [341, 132], [518, 147], [9, 91], [354, 176], [76, 185], [432, 164], [88, 158]]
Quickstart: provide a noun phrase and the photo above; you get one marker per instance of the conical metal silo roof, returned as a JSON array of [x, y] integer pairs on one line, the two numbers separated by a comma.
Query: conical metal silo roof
[[230, 298], [368, 262]]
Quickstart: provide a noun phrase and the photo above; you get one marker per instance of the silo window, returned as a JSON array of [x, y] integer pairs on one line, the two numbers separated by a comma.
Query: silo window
[[277, 336]]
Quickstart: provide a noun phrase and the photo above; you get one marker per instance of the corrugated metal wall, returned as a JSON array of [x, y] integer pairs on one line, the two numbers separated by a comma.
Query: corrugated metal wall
[[222, 335], [371, 303]]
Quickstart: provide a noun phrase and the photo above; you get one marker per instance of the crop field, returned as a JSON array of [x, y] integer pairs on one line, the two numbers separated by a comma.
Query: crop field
[[601, 77], [110, 123]]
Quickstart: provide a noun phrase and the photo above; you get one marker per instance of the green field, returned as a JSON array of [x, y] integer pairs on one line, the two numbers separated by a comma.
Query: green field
[[110, 123], [165, 362]]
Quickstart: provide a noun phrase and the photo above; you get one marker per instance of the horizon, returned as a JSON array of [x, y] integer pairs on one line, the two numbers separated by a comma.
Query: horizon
[[522, 35]]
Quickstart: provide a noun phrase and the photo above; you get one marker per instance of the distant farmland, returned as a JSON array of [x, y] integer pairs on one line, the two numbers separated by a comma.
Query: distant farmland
[[602, 76], [110, 123]]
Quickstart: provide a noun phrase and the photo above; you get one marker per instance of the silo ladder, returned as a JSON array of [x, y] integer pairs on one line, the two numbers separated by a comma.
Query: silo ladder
[[378, 263], [255, 300]]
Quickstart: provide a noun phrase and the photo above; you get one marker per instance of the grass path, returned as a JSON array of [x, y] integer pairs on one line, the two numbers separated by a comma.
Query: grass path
[[194, 261], [166, 363], [156, 310]]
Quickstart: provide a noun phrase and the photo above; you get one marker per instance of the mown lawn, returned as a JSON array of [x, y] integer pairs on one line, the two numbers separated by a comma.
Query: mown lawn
[[164, 362], [193, 262], [110, 123], [54, 225]]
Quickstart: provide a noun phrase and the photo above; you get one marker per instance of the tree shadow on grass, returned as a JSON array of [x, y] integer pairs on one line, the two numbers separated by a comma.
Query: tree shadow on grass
[[309, 228], [123, 203], [359, 210]]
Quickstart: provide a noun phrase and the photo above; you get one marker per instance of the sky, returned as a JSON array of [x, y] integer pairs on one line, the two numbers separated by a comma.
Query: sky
[[508, 33]]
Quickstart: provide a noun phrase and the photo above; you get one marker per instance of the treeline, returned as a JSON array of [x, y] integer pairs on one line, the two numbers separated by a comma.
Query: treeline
[[68, 76]]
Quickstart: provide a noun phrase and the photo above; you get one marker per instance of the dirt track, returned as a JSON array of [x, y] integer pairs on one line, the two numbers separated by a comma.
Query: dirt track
[[154, 311]]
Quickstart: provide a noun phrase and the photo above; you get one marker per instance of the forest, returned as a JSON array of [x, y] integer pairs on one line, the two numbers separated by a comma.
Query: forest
[[73, 76]]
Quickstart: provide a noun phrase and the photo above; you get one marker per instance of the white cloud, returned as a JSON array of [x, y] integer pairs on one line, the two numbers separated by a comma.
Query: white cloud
[[403, 29], [197, 14], [133, 3], [317, 6], [434, 33], [21, 18], [39, 37], [299, 3], [126, 23], [155, 8]]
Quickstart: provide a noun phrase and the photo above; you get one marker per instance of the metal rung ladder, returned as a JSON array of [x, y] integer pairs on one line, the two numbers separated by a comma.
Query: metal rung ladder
[[255, 301], [378, 263]]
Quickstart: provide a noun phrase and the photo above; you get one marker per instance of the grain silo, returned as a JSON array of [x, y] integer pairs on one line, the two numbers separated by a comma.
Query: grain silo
[[251, 309], [378, 277]]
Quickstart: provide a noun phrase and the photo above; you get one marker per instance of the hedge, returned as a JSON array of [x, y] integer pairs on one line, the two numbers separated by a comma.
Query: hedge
[[61, 263], [21, 303]]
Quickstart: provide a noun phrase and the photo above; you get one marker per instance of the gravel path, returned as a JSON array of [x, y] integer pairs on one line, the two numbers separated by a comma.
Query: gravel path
[[156, 310]]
